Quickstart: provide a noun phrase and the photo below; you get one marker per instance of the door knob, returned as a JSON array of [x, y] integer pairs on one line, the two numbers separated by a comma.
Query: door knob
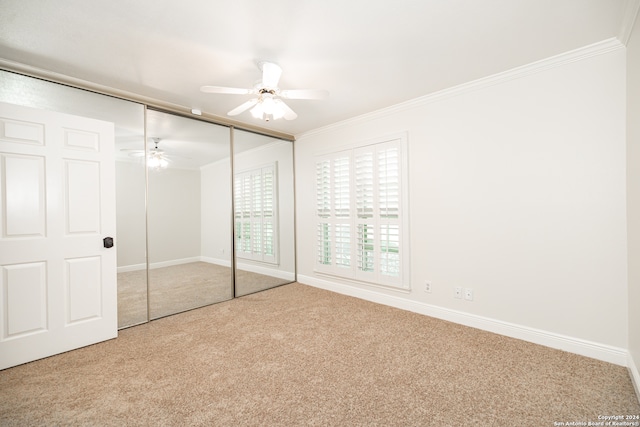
[[108, 242]]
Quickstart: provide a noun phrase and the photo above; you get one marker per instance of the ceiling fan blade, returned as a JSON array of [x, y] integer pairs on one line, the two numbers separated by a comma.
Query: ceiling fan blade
[[228, 90], [270, 74], [289, 114], [304, 94], [243, 107]]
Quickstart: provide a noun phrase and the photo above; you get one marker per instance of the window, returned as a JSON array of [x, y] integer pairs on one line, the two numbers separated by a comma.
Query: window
[[361, 232], [255, 216]]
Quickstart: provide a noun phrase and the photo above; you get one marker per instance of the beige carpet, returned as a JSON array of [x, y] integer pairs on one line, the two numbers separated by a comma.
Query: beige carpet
[[132, 298], [182, 287], [296, 356]]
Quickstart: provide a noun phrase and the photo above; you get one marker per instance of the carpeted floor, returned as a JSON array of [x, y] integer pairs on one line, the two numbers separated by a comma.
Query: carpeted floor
[[182, 287], [297, 355]]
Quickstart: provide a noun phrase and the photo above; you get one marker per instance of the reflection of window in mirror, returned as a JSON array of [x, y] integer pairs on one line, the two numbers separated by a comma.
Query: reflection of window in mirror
[[256, 214]]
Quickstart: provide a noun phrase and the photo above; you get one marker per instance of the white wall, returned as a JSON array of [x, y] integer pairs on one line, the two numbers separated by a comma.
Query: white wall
[[130, 214], [633, 198], [174, 215], [216, 212], [517, 190]]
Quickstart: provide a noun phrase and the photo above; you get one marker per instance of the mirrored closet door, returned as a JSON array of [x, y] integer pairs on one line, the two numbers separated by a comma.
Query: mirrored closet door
[[128, 120], [131, 229], [179, 201], [263, 199], [188, 213]]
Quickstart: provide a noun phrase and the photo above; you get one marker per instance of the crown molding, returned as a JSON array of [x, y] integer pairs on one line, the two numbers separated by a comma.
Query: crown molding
[[575, 55], [629, 17]]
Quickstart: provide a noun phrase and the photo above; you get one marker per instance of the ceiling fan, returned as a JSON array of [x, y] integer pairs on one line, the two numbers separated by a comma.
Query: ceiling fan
[[156, 158], [267, 104]]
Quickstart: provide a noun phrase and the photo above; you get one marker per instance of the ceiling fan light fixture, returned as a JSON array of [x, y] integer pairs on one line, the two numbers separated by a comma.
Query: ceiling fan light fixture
[[267, 104], [155, 158], [278, 113], [156, 162], [257, 111], [268, 108]]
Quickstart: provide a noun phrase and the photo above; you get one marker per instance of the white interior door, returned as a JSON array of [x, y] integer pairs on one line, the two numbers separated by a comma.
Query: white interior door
[[58, 288]]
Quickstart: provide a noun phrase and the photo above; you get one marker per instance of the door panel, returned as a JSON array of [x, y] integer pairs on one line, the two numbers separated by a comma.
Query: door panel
[[24, 132], [25, 194], [57, 202], [82, 194], [84, 289], [25, 288]]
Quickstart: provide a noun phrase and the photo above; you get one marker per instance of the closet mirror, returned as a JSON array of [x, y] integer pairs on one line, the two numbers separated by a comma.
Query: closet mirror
[[263, 212], [131, 229], [128, 120], [188, 213]]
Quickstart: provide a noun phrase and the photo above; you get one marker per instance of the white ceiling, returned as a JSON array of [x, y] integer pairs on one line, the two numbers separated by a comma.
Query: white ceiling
[[369, 54]]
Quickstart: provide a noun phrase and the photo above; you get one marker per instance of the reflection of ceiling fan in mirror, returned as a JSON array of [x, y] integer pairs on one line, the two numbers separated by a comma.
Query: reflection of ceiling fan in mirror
[[267, 105], [156, 158]]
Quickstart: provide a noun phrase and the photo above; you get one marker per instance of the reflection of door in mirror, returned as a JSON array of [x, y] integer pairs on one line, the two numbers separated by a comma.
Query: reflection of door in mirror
[[263, 212], [189, 213]]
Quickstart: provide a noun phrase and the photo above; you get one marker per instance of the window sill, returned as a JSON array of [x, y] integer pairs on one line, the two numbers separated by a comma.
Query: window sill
[[351, 281]]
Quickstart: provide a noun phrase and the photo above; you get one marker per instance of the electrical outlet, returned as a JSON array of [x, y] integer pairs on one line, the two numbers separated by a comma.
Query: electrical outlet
[[468, 294], [458, 292], [427, 287]]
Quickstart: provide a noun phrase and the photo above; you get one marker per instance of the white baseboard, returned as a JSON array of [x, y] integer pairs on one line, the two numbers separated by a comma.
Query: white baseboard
[[132, 267], [284, 275], [136, 267], [635, 375], [172, 262], [216, 261], [594, 350]]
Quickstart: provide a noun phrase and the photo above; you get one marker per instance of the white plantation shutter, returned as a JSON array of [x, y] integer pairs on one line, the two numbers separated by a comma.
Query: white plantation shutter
[[390, 250], [255, 216], [242, 213], [324, 244], [364, 184], [366, 248], [323, 188], [359, 214], [255, 195], [389, 196], [389, 182], [342, 211], [343, 245], [268, 214], [341, 187]]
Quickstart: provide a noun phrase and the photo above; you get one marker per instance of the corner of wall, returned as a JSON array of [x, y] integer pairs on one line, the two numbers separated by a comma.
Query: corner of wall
[[635, 375], [630, 36], [632, 7]]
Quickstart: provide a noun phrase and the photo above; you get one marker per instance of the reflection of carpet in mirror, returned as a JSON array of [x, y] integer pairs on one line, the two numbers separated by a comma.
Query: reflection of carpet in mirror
[[182, 287], [132, 298], [248, 282]]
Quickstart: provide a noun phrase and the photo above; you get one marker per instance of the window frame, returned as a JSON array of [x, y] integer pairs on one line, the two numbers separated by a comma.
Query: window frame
[[244, 182], [327, 221]]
